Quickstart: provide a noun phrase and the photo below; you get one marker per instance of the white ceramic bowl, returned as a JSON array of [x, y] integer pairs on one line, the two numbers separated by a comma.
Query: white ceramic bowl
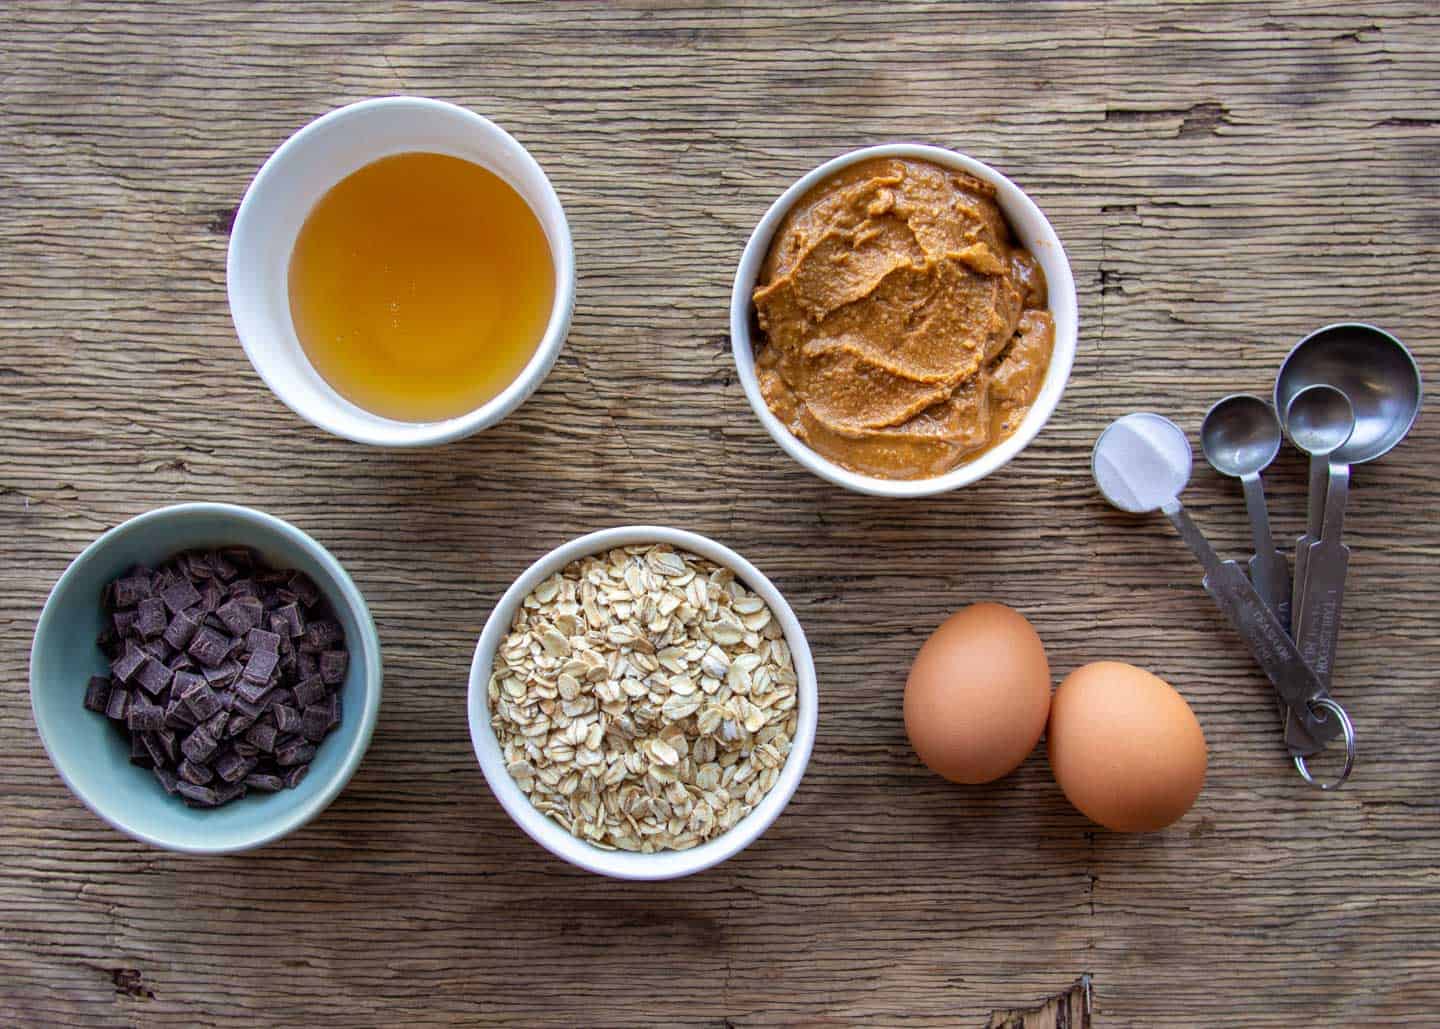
[[549, 834], [294, 179], [1032, 229]]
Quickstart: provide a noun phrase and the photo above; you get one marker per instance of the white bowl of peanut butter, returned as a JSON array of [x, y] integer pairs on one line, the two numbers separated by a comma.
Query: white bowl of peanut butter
[[903, 320]]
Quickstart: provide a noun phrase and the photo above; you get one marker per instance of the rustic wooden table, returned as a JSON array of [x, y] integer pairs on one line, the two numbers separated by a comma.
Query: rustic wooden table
[[1226, 178]]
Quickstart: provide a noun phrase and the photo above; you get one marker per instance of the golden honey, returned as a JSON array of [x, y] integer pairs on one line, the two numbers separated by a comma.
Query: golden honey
[[420, 286]]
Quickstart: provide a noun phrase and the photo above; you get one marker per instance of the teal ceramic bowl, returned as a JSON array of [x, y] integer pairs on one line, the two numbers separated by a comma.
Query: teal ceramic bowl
[[93, 756]]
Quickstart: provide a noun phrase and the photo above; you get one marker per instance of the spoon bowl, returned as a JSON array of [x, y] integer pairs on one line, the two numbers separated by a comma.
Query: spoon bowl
[[1321, 420], [1141, 462], [1374, 371], [1240, 435]]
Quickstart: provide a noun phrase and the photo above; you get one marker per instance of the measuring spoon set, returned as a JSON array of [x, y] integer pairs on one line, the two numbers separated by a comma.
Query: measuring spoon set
[[1346, 394]]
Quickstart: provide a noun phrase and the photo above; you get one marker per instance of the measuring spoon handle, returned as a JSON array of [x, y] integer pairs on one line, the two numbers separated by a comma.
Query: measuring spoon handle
[[1271, 647], [1317, 633], [1314, 522], [1268, 569]]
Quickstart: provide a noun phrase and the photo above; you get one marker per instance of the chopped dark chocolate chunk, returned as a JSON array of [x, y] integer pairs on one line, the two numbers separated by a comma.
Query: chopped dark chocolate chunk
[[307, 662], [262, 736], [209, 647], [153, 676], [124, 622], [309, 692], [156, 749], [201, 700], [168, 779], [157, 648], [253, 693], [180, 595], [247, 707], [185, 679], [144, 716], [287, 719], [200, 796], [128, 663], [118, 703], [170, 741], [199, 746], [150, 617], [297, 752], [222, 566], [294, 621], [215, 726], [295, 776], [262, 781], [232, 766], [223, 675], [246, 750], [240, 614], [320, 634], [335, 715], [332, 666], [260, 666], [315, 722], [257, 640], [97, 693], [212, 595], [194, 772], [226, 792], [181, 630], [139, 753], [177, 712], [304, 589], [130, 591], [108, 641], [238, 724]]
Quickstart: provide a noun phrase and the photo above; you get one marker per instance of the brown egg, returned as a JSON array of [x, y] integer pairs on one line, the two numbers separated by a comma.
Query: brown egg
[[1125, 747], [978, 694]]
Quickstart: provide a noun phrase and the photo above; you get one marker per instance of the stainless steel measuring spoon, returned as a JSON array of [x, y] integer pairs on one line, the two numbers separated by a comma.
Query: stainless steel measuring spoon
[[1240, 436], [1382, 382], [1321, 420], [1378, 376], [1142, 463]]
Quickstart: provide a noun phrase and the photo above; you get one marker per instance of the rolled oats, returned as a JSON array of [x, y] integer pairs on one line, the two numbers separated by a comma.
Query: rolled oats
[[644, 699]]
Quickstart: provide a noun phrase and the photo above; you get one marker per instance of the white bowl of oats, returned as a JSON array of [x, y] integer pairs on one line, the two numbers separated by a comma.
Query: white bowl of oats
[[643, 702]]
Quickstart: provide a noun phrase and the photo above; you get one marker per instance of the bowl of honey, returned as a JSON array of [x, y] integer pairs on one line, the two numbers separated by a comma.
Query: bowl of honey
[[401, 272]]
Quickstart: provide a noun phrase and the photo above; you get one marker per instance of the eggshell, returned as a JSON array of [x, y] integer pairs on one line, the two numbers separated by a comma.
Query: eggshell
[[978, 694], [1125, 747]]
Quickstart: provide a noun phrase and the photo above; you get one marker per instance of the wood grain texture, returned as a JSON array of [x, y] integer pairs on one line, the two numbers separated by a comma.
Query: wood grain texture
[[1226, 177]]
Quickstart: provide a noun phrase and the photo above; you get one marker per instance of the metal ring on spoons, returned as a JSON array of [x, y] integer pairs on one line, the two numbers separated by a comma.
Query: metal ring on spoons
[[1349, 730]]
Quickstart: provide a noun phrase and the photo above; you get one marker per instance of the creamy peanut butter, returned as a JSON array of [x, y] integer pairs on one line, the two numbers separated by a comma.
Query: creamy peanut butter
[[904, 331]]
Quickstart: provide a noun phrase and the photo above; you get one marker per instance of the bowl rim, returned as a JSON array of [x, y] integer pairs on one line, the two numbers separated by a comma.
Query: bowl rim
[[392, 432], [551, 835], [1060, 287], [351, 596]]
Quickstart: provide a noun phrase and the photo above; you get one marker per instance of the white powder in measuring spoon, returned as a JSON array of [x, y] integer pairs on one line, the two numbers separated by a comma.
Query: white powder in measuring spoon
[[1141, 462]]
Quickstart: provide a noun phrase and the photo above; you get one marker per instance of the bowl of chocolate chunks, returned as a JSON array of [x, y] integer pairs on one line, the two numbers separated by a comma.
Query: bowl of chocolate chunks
[[205, 678]]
